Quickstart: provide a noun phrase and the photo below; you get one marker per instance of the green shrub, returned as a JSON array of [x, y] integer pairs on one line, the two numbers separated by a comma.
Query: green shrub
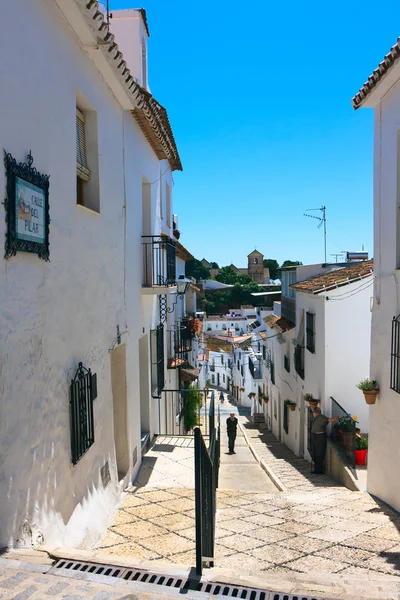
[[361, 443], [368, 385], [191, 401]]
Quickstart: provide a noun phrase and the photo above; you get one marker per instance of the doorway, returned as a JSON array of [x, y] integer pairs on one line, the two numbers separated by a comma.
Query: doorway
[[119, 392]]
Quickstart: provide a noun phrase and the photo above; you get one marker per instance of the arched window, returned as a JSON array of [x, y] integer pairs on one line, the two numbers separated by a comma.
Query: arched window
[[255, 261]]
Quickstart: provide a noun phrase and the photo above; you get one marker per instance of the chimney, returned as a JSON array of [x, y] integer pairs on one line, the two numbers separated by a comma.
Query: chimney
[[131, 35]]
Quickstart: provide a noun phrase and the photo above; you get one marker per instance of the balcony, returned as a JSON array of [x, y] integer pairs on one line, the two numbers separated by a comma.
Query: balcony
[[255, 368], [159, 263], [179, 346]]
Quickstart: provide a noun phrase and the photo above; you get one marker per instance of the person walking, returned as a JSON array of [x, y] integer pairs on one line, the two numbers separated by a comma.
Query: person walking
[[231, 427], [318, 430], [221, 397]]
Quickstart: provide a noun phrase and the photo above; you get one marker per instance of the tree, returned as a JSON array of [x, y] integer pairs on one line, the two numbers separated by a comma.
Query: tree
[[194, 268], [291, 263], [227, 275], [273, 266]]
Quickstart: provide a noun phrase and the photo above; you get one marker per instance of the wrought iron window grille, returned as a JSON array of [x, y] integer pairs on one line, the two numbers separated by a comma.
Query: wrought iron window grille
[[157, 361], [83, 391], [395, 356], [310, 332]]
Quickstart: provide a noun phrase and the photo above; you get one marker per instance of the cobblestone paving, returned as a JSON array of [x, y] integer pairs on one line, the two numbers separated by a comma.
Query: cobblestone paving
[[316, 526], [22, 585]]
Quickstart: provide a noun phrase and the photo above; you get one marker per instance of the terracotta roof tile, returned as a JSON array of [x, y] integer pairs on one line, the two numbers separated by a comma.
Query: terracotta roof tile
[[279, 323], [190, 373], [377, 75], [335, 277]]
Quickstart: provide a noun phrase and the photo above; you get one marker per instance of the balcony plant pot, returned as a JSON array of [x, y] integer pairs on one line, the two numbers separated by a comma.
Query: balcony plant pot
[[292, 407], [361, 457], [370, 389], [313, 402], [266, 400], [370, 396]]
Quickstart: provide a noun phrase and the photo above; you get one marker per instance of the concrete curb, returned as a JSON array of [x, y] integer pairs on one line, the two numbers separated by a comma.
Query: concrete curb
[[275, 480]]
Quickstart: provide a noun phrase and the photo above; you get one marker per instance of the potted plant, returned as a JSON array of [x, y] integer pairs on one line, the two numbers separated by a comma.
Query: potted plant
[[242, 389], [370, 389], [361, 450], [292, 406], [266, 399], [313, 402], [346, 426], [251, 395]]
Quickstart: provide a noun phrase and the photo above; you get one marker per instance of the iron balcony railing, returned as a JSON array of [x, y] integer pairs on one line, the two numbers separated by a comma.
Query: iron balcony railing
[[179, 346], [343, 432], [255, 368], [299, 360], [159, 260]]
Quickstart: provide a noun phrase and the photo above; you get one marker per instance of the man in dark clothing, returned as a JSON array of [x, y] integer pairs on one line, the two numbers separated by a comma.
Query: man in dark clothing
[[231, 427], [318, 430]]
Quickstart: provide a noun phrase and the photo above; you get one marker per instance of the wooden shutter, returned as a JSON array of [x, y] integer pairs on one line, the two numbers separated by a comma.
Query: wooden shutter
[[82, 169]]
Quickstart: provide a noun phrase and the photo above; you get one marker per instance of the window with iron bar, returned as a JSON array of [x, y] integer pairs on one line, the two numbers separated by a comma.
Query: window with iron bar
[[157, 361], [83, 391], [286, 363], [310, 332], [395, 356]]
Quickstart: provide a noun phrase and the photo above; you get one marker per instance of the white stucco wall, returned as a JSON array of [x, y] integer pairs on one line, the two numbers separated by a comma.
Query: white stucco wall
[[384, 452], [347, 343], [54, 315]]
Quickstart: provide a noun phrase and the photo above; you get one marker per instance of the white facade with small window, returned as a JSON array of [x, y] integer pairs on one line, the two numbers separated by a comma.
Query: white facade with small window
[[384, 448], [333, 355], [237, 325], [87, 304]]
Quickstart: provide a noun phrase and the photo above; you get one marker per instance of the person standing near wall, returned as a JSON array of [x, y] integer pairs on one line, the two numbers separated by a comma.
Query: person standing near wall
[[318, 430]]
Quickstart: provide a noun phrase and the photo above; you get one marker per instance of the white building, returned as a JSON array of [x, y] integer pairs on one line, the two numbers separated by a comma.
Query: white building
[[81, 105], [319, 345], [382, 92]]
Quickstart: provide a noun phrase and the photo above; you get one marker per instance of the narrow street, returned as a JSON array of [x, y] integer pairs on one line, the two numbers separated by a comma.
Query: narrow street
[[316, 526]]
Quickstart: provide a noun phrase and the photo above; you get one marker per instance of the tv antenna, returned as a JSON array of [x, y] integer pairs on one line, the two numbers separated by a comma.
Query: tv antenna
[[322, 221], [108, 14]]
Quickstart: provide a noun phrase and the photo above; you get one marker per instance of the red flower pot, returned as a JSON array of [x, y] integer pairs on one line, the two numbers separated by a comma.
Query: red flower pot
[[361, 457]]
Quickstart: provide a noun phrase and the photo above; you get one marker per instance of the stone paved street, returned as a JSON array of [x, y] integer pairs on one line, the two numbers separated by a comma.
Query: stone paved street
[[20, 584], [315, 526]]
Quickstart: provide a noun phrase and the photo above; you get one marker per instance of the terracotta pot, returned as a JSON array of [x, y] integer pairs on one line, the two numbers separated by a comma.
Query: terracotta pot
[[370, 396], [266, 400], [292, 407], [361, 457], [313, 405], [348, 440]]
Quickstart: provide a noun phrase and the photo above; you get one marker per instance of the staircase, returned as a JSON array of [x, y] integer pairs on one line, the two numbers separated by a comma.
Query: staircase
[[258, 418]]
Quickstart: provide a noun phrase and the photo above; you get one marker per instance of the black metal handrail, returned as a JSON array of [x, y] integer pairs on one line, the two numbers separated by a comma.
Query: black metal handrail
[[159, 260], [343, 432], [206, 462]]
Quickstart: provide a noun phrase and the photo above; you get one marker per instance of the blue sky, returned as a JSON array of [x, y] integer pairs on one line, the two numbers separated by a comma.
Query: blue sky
[[259, 100]]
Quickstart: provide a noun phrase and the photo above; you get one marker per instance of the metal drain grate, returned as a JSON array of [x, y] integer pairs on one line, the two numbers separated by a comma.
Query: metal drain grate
[[215, 589]]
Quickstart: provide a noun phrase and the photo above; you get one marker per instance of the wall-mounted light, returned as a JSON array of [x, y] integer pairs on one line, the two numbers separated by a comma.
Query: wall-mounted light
[[182, 284]]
